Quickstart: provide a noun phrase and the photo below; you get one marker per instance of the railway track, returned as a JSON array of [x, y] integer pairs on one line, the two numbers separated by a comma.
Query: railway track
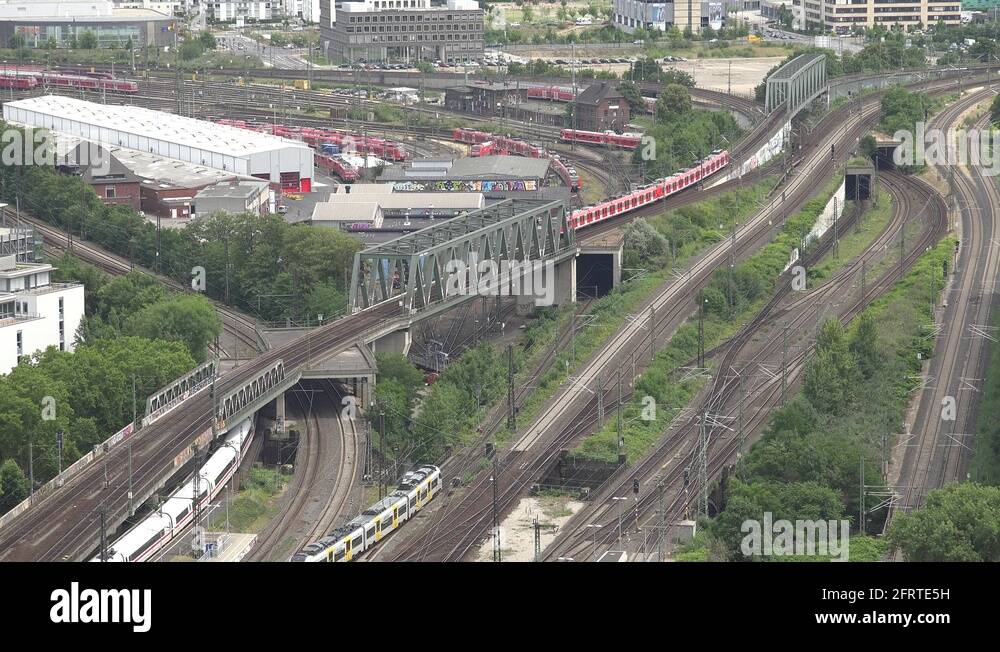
[[665, 495], [451, 535], [473, 517], [939, 449], [64, 526], [307, 487]]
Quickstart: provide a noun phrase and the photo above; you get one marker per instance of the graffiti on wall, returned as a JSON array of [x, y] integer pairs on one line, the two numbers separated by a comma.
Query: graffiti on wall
[[456, 185]]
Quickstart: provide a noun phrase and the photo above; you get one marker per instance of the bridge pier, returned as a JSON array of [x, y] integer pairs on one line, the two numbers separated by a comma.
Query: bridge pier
[[395, 342], [279, 412]]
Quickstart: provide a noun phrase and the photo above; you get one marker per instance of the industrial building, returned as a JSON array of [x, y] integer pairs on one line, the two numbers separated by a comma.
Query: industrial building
[[239, 152], [403, 30], [114, 183], [601, 107], [496, 177], [233, 197], [34, 312], [66, 21]]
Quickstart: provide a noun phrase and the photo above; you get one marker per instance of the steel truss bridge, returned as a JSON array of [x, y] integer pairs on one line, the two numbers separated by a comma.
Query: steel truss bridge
[[418, 270], [796, 83]]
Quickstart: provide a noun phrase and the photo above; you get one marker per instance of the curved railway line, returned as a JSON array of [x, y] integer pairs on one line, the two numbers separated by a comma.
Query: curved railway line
[[307, 485], [456, 530], [663, 469], [943, 446], [459, 525]]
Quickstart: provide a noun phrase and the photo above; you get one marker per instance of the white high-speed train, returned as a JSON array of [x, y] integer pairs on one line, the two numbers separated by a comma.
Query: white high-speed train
[[416, 489], [156, 530]]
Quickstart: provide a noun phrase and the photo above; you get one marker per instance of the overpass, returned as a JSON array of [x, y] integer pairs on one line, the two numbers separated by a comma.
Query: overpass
[[796, 84], [65, 524]]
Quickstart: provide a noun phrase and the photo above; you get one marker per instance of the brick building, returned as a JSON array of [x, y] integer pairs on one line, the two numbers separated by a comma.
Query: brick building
[[600, 107]]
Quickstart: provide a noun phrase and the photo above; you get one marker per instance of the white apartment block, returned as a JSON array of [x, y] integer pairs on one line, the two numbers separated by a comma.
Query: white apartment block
[[310, 11], [233, 9], [842, 16], [34, 312]]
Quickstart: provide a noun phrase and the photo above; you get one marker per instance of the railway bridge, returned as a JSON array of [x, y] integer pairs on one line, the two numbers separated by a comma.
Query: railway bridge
[[495, 249], [796, 84]]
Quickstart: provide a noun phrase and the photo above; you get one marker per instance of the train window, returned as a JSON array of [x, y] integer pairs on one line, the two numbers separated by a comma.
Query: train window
[[339, 555], [146, 546]]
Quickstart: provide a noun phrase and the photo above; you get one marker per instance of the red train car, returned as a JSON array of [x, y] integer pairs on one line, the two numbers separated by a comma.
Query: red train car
[[654, 192], [336, 166], [625, 141], [18, 82], [483, 149]]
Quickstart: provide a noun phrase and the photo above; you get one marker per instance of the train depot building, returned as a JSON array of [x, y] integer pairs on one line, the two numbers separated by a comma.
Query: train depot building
[[195, 143]]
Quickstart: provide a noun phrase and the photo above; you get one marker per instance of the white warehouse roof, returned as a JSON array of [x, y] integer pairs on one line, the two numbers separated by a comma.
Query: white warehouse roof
[[230, 149]]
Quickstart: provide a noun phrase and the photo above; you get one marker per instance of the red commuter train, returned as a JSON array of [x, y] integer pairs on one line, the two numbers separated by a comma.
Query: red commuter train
[[484, 144], [336, 166], [654, 192], [29, 77], [625, 141]]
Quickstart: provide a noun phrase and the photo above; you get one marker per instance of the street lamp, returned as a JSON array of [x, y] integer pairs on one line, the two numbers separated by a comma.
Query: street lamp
[[594, 527]]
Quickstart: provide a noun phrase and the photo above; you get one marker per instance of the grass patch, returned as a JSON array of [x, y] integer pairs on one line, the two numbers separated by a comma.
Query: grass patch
[[256, 502]]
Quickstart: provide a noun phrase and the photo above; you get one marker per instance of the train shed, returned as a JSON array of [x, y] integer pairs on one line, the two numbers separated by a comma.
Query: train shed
[[196, 142]]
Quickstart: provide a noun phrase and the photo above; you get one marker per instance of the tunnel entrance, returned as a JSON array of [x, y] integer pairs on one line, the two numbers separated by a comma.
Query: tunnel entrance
[[594, 275]]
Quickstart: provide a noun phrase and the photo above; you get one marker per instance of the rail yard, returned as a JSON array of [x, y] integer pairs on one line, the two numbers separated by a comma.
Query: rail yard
[[266, 297]]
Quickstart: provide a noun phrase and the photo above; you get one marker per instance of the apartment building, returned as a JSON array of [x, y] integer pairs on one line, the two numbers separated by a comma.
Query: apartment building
[[34, 312]]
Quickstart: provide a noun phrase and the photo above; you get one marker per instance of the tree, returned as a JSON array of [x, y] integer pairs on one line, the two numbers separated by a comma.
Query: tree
[[17, 41], [207, 40], [13, 485], [191, 50], [392, 366], [831, 378], [960, 522], [865, 347], [189, 319], [673, 103], [88, 40], [527, 14], [643, 243], [791, 501], [630, 90], [995, 110]]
